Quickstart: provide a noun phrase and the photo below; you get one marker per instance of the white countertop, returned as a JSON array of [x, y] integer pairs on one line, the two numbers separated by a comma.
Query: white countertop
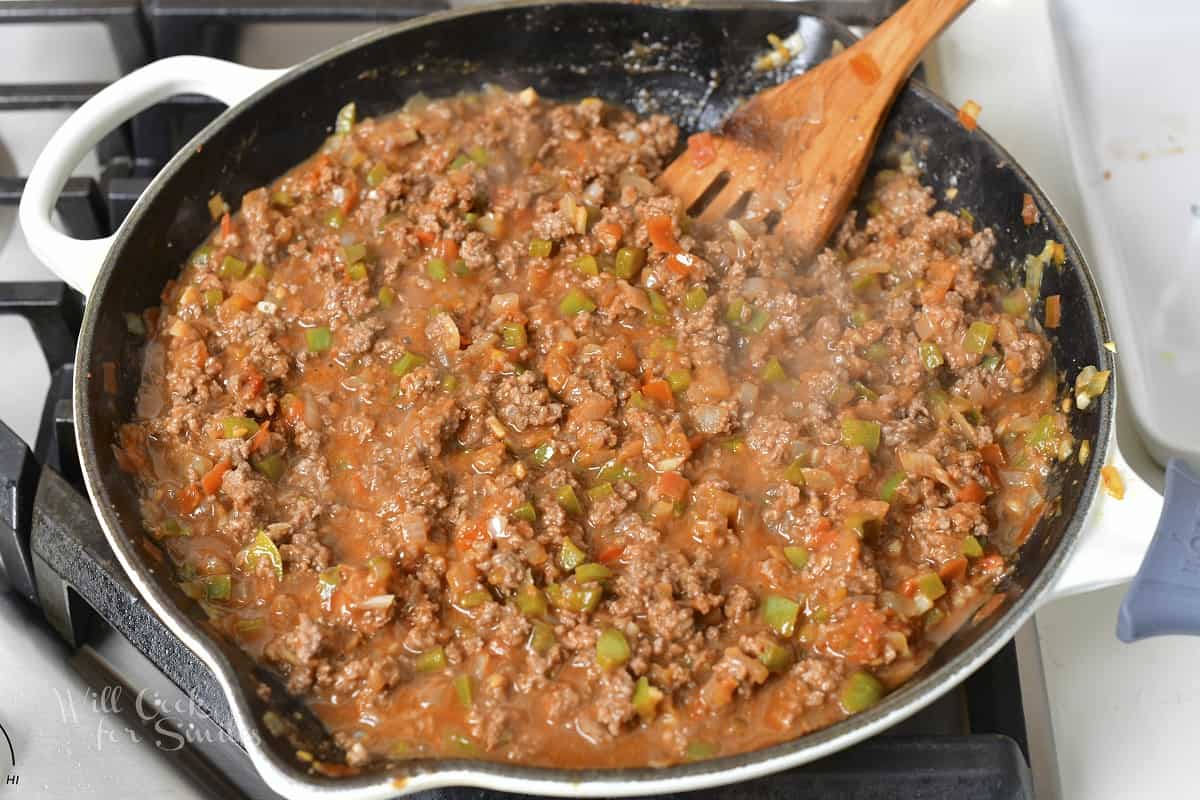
[[1122, 717]]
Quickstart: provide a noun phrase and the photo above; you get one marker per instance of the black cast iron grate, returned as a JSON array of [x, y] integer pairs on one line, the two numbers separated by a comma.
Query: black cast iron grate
[[971, 745]]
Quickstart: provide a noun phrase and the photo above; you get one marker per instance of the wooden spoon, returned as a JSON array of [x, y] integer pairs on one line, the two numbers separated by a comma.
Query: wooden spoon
[[794, 155]]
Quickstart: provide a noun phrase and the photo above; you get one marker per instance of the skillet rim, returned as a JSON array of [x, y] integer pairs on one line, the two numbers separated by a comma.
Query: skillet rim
[[423, 774]]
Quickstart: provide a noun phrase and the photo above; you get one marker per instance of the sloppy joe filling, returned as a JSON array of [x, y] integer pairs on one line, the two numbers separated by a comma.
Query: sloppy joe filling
[[467, 432]]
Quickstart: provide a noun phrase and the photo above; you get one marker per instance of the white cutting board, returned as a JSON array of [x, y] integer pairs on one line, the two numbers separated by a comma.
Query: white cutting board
[[1128, 96]]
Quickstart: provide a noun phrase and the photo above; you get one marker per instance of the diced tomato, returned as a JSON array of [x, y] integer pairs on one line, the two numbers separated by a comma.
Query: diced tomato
[[131, 450], [1053, 310], [539, 279], [426, 238], [992, 454], [824, 535], [624, 355], [993, 562], [972, 492], [253, 384], [953, 569], [865, 68], [1029, 212], [189, 498], [577, 150], [674, 486], [610, 553], [469, 534], [152, 550], [351, 198], [258, 442], [446, 249], [212, 479], [702, 149], [293, 408], [968, 115], [940, 276], [659, 390], [662, 233], [238, 303], [1058, 254], [610, 229], [680, 263], [1030, 523]]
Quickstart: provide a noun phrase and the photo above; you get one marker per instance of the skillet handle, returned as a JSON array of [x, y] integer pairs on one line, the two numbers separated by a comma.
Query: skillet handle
[[1165, 595], [78, 261], [1114, 536]]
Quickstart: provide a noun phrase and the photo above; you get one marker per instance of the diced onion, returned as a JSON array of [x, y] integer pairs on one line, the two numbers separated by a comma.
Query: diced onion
[[748, 394], [379, 601], [1114, 484], [967, 429], [922, 464], [1013, 477], [1089, 384], [414, 529], [567, 206], [496, 526], [868, 266], [905, 607], [740, 234], [594, 193], [921, 604], [443, 334], [898, 641], [755, 287], [643, 185], [505, 303], [669, 464], [707, 418], [182, 330]]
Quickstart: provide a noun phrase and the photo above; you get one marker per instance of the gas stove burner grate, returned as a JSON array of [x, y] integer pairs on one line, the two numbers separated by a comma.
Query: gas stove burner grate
[[971, 744]]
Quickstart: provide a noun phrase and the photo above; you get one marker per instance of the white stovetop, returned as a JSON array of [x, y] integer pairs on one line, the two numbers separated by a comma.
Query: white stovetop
[[1121, 719]]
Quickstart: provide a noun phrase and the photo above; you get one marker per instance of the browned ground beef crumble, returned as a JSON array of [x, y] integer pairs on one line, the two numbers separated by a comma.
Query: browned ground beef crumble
[[397, 400]]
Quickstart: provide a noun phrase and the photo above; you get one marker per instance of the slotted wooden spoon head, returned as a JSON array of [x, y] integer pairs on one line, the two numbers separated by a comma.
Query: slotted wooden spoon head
[[794, 155]]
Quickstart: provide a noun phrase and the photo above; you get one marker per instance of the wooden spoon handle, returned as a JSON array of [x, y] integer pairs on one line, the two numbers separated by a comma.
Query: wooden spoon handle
[[898, 42]]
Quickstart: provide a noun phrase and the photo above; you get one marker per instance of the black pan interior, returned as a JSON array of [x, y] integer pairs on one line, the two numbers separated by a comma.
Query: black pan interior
[[692, 62]]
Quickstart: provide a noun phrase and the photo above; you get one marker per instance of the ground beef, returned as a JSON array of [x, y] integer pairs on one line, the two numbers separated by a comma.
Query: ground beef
[[465, 431]]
